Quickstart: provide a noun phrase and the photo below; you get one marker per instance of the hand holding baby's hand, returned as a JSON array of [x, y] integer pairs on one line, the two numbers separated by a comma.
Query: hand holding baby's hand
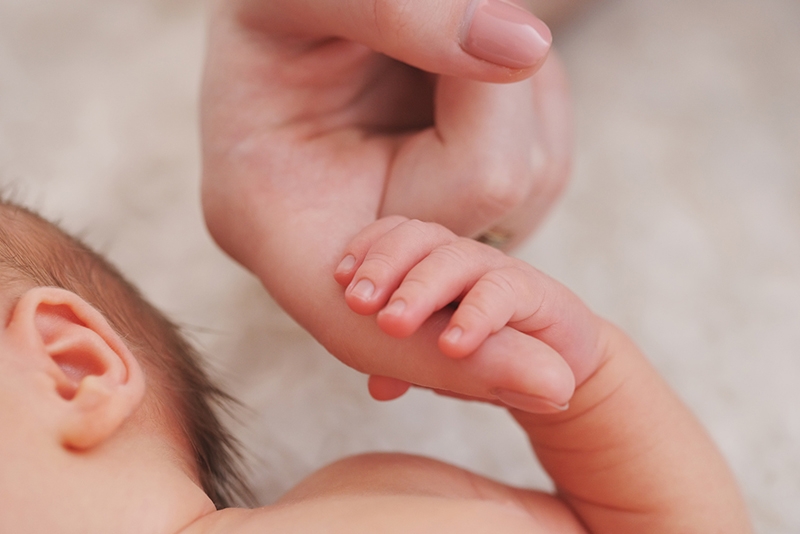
[[406, 270]]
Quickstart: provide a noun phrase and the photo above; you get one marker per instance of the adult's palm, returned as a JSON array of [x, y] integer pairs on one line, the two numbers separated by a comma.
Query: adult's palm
[[315, 123]]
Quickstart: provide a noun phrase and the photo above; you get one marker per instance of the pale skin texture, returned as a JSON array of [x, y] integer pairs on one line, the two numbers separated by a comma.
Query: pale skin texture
[[84, 449], [625, 457], [309, 135]]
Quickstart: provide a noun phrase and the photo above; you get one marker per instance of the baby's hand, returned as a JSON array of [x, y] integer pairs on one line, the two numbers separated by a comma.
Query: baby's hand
[[405, 270]]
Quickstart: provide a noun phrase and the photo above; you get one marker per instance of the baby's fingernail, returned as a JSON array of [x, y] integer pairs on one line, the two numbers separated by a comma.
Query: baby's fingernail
[[346, 265], [395, 307], [528, 403], [363, 289], [505, 34], [453, 334]]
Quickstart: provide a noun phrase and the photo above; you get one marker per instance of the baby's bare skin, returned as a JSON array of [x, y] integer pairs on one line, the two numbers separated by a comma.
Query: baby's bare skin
[[626, 456]]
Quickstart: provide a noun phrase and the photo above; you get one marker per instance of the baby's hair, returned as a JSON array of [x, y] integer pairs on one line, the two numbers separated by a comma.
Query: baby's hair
[[36, 251]]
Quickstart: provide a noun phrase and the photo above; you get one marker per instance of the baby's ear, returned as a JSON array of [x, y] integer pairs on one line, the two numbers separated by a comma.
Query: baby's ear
[[96, 381]]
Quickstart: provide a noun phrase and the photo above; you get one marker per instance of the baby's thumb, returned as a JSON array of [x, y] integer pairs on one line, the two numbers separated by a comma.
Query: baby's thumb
[[486, 40]]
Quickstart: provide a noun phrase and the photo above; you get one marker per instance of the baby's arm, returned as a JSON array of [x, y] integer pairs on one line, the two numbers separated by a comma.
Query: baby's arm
[[629, 457], [626, 456]]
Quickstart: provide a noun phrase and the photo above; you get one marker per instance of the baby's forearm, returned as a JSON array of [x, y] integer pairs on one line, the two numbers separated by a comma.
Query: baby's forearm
[[628, 456]]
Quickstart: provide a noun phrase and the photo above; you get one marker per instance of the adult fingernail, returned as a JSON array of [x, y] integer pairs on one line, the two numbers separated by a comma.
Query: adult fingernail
[[506, 34], [528, 403], [346, 265], [363, 289]]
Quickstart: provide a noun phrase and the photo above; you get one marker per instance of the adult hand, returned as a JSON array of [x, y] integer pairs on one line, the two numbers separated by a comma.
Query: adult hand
[[317, 119], [470, 155]]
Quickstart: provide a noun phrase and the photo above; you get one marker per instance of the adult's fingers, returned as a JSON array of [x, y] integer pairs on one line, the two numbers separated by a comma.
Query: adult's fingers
[[519, 370], [490, 40], [475, 165], [384, 388], [496, 158], [550, 156], [510, 369]]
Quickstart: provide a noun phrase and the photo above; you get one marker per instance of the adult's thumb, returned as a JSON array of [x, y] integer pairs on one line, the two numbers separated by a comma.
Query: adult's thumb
[[486, 40]]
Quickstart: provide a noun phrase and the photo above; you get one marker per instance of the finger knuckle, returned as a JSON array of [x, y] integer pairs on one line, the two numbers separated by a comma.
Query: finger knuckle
[[549, 173], [498, 282], [451, 254], [427, 230], [390, 17], [497, 189], [472, 312], [360, 243], [378, 261]]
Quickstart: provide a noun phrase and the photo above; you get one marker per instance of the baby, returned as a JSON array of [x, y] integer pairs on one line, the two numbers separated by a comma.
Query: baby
[[108, 426], [107, 417]]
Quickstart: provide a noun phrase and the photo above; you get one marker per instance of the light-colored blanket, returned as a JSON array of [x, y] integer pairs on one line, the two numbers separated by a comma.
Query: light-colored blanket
[[682, 223]]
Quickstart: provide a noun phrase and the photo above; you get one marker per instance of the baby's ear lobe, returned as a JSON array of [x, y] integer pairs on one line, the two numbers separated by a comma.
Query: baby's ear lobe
[[97, 382]]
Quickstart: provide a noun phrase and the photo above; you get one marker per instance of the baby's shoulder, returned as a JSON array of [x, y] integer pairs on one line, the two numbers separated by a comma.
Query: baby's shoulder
[[393, 493], [367, 514]]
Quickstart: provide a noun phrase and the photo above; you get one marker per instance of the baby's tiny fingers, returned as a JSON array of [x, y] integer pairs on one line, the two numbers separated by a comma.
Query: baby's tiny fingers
[[357, 248], [544, 309], [438, 280], [495, 299], [389, 259]]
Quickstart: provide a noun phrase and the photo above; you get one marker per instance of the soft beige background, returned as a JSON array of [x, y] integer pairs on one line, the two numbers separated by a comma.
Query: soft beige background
[[682, 223]]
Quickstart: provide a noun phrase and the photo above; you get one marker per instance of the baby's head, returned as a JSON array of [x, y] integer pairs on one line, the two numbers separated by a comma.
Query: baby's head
[[105, 410]]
